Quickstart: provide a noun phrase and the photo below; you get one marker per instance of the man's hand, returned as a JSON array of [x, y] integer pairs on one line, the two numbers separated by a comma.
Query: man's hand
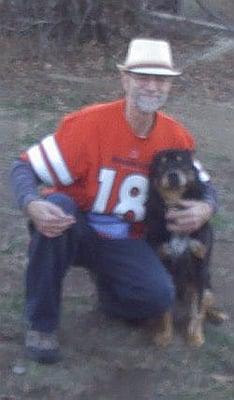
[[190, 218], [49, 219]]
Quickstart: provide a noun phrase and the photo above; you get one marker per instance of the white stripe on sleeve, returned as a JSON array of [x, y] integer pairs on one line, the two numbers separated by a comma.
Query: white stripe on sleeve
[[39, 165], [203, 175], [56, 160]]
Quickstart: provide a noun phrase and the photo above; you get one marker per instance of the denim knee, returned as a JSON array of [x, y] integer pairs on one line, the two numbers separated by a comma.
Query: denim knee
[[161, 299], [142, 303]]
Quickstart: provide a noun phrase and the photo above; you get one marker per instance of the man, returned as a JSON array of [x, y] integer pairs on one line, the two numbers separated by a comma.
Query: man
[[97, 164]]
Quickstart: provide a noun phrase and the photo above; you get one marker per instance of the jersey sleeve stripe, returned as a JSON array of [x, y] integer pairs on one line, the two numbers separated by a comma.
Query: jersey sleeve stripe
[[50, 169], [39, 165], [56, 160]]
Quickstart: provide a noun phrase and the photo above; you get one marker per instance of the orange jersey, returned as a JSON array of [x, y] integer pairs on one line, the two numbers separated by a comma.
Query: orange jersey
[[96, 158]]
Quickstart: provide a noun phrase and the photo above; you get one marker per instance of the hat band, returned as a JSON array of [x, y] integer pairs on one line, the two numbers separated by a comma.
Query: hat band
[[149, 65]]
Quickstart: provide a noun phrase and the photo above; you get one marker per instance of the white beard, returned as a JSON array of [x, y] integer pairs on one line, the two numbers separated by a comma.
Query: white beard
[[151, 104]]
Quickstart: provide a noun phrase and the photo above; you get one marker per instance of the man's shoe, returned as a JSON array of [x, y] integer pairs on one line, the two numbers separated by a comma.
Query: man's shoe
[[42, 347]]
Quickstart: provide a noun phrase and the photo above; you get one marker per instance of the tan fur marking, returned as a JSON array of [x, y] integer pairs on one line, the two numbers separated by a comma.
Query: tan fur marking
[[195, 329], [197, 248], [164, 335]]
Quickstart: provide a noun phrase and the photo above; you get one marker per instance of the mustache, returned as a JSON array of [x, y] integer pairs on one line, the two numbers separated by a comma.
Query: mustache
[[153, 94]]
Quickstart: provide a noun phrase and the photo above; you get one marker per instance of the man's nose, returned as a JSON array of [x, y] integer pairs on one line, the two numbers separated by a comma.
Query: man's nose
[[154, 84]]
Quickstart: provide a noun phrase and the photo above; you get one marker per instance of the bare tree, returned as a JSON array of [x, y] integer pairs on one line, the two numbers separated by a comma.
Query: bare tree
[[74, 20]]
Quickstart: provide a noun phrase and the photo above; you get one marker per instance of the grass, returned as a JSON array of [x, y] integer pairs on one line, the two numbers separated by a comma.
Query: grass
[[215, 393], [223, 221], [11, 248], [180, 373], [102, 358], [11, 304]]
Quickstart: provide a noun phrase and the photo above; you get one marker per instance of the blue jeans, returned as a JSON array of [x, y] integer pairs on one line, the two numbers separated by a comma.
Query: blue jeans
[[131, 281]]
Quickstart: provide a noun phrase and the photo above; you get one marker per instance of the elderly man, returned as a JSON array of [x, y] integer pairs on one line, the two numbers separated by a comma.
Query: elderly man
[[96, 164]]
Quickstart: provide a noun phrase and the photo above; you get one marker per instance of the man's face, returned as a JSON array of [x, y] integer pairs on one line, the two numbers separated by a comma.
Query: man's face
[[147, 92]]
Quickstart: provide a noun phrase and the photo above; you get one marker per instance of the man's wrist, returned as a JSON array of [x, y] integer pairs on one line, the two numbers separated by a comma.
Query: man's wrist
[[28, 199]]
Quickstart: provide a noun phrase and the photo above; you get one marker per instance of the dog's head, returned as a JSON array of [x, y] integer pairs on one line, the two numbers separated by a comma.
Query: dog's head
[[172, 173]]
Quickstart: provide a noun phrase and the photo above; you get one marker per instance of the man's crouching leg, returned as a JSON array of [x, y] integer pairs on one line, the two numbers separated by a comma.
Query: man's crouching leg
[[49, 259], [134, 285]]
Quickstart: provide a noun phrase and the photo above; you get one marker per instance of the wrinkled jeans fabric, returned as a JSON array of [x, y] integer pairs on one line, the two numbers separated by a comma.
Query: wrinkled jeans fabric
[[131, 281]]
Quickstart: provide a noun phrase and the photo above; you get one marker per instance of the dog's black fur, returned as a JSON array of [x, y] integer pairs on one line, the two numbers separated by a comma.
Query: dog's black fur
[[173, 176]]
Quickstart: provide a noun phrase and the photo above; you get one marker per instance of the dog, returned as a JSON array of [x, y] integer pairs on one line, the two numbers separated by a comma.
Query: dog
[[173, 176]]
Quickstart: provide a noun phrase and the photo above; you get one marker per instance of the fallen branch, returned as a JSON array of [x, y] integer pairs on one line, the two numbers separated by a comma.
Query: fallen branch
[[190, 20], [209, 13]]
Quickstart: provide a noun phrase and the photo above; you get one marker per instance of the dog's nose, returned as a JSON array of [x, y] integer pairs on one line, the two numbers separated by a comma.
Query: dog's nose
[[173, 179]]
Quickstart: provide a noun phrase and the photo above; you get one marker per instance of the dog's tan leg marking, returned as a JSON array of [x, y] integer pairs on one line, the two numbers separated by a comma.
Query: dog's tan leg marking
[[195, 330], [216, 316], [197, 248], [164, 335], [213, 314], [164, 250]]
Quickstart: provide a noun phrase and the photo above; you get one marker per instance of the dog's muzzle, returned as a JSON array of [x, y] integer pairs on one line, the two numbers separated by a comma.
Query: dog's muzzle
[[174, 179]]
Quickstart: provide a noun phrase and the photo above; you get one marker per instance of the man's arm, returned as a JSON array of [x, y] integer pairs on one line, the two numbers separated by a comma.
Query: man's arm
[[210, 196], [48, 218], [24, 183]]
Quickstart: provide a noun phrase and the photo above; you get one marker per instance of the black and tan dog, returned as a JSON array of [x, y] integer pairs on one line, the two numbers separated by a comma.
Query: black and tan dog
[[173, 176]]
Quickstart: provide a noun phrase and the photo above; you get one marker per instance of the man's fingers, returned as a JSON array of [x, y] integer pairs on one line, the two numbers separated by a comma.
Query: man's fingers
[[50, 234], [187, 203], [58, 212], [51, 231], [186, 223], [180, 214], [180, 229], [54, 227], [62, 219], [57, 223], [44, 211], [49, 218]]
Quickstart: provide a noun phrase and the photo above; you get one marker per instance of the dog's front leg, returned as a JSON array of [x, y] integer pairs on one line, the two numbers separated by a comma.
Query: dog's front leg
[[164, 330], [165, 251], [195, 329], [197, 248]]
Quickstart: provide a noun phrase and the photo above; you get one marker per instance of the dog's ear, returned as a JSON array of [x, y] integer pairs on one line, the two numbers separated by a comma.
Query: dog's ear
[[202, 174], [198, 185]]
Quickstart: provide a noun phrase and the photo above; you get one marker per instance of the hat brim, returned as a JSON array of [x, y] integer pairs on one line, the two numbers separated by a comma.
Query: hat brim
[[160, 71]]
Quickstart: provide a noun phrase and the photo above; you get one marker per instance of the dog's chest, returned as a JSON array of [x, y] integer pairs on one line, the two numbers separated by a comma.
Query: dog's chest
[[178, 245]]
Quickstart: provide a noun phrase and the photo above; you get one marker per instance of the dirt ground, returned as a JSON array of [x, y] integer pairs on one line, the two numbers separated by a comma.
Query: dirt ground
[[106, 359]]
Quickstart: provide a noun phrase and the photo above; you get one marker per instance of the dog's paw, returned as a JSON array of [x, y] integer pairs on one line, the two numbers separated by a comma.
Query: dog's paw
[[195, 335], [163, 339], [196, 340], [198, 249], [213, 314], [216, 316]]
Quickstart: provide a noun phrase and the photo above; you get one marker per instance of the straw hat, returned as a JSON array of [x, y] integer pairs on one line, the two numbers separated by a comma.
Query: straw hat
[[149, 56]]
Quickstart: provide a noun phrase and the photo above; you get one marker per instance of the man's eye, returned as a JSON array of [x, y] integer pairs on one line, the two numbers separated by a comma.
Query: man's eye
[[142, 77]]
